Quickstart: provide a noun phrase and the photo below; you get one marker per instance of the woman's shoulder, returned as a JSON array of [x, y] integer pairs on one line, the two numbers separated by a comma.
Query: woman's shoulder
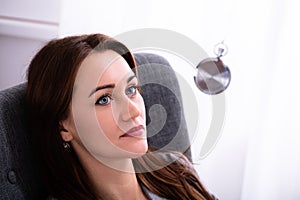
[[151, 195]]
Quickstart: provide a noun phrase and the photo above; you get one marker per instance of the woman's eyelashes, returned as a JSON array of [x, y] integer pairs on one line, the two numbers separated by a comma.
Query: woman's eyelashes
[[106, 98], [131, 91]]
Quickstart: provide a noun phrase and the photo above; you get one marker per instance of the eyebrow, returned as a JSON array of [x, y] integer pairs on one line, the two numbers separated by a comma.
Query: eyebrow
[[109, 85]]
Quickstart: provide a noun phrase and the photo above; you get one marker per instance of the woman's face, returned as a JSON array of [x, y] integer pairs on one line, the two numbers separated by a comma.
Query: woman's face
[[107, 115]]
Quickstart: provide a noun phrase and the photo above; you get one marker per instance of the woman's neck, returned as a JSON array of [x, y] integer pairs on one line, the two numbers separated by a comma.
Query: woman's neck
[[113, 180]]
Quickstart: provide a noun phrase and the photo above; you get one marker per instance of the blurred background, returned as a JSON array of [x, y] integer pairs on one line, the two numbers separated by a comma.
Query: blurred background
[[257, 155]]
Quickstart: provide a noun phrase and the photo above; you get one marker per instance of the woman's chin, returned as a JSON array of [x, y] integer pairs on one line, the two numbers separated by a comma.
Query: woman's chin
[[137, 151], [133, 148]]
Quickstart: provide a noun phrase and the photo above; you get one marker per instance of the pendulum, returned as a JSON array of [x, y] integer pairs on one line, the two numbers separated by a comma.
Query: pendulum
[[213, 77]]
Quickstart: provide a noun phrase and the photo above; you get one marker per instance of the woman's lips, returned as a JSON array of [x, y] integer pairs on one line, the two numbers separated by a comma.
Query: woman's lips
[[135, 132]]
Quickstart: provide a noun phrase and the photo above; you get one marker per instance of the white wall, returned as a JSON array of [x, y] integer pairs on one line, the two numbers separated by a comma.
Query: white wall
[[24, 27], [15, 56]]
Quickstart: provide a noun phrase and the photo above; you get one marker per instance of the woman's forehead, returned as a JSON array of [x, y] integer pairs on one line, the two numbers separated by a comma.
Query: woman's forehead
[[101, 68]]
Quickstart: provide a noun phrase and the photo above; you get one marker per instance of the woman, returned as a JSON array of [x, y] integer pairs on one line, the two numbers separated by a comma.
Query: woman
[[87, 119]]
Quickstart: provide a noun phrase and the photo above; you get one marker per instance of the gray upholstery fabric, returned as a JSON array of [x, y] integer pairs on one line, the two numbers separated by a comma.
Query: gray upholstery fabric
[[19, 176], [166, 125]]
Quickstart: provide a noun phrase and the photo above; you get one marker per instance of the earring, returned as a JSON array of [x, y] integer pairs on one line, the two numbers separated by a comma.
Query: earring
[[213, 76], [66, 145]]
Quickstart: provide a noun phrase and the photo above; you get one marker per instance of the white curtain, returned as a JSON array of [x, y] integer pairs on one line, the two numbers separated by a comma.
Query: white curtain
[[258, 154], [273, 160]]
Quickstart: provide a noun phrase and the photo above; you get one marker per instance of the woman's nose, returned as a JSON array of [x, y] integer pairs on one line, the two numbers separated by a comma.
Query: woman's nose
[[130, 110]]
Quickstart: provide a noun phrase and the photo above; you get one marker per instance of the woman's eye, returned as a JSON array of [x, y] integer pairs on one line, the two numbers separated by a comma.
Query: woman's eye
[[104, 100], [131, 91]]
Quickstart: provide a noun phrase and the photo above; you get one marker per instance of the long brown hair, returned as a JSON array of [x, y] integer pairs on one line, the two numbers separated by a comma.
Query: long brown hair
[[51, 76]]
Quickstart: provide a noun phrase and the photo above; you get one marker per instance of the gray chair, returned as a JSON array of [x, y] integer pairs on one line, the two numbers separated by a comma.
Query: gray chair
[[20, 175]]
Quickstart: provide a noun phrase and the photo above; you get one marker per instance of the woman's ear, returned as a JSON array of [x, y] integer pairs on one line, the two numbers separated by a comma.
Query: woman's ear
[[65, 130]]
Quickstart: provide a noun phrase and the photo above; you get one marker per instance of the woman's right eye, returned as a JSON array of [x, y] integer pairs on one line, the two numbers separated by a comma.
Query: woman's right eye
[[104, 100]]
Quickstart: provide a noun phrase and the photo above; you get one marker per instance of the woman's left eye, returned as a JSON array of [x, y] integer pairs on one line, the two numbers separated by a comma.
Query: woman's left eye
[[131, 91]]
